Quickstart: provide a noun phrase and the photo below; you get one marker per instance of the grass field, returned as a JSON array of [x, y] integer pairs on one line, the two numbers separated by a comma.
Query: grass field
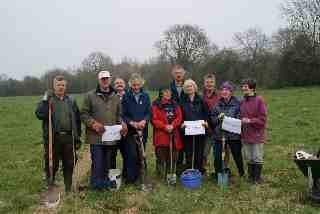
[[294, 123]]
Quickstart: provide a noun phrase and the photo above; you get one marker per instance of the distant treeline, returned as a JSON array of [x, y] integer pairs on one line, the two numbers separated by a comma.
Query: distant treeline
[[289, 57]]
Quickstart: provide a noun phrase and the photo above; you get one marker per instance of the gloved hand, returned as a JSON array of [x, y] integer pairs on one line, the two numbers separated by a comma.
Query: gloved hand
[[78, 144], [221, 116], [47, 95], [169, 128]]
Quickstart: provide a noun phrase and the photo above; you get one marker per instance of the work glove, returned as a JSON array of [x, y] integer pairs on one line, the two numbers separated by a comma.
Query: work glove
[[221, 116], [169, 128], [78, 144], [47, 95]]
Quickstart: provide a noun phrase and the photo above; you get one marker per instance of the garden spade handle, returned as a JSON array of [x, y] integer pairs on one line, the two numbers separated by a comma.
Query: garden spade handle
[[193, 142], [171, 152], [50, 143]]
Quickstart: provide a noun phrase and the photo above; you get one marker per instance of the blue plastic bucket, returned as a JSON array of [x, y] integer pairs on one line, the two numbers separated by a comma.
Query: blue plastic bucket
[[191, 178]]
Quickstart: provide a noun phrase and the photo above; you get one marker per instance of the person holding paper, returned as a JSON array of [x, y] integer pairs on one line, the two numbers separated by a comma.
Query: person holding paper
[[194, 109], [136, 113], [228, 105], [166, 121], [101, 107], [253, 114]]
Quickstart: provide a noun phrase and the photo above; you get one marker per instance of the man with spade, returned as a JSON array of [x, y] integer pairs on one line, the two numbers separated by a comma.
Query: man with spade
[[61, 127]]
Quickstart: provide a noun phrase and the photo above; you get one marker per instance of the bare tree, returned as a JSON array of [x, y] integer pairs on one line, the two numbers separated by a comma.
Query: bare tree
[[253, 45], [96, 62], [282, 40], [304, 16], [184, 44]]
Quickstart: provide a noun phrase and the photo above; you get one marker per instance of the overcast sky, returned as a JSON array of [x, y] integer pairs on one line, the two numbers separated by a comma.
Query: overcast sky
[[37, 35]]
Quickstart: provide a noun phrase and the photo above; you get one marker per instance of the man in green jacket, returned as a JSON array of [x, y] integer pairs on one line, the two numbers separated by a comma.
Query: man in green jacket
[[101, 107], [66, 130]]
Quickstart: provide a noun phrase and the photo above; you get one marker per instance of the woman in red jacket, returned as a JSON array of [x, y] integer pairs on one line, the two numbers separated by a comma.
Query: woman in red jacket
[[166, 120]]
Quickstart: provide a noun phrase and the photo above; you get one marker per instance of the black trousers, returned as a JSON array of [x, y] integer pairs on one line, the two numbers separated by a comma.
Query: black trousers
[[198, 150], [132, 158], [62, 149], [235, 147], [121, 147]]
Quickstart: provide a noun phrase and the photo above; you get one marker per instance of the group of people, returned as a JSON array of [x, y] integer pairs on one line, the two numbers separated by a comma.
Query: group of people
[[113, 103]]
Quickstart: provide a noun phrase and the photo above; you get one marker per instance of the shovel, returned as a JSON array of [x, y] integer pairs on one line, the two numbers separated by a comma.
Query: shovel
[[52, 196], [143, 168], [223, 177], [171, 177]]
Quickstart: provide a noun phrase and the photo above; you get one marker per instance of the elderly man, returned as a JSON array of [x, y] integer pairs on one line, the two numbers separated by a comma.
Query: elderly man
[[66, 131], [101, 107], [120, 89], [176, 87], [210, 98]]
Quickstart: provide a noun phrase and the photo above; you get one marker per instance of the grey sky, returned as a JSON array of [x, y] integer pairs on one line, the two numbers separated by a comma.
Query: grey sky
[[37, 35]]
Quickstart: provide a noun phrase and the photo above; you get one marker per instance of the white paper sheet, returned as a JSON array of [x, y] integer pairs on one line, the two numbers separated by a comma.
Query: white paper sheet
[[112, 133], [231, 125], [194, 127]]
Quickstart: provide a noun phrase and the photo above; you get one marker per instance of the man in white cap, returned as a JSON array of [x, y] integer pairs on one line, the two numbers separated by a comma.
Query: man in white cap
[[101, 107]]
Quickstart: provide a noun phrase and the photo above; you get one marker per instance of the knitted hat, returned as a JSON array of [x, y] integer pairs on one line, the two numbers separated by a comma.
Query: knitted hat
[[227, 85]]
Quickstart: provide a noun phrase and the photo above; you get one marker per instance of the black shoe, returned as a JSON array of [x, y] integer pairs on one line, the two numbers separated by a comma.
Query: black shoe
[[214, 176], [250, 173], [257, 168]]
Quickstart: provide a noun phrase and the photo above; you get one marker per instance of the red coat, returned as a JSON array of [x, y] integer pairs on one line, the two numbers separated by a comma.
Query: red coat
[[160, 121]]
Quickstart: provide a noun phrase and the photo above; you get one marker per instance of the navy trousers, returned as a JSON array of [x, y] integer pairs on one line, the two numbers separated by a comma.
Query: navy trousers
[[103, 158]]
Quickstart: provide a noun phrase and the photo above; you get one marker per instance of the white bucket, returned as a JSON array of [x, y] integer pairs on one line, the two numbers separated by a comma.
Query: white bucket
[[115, 175]]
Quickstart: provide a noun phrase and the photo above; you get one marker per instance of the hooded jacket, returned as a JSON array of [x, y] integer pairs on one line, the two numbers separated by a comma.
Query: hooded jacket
[[102, 107], [253, 107], [160, 111]]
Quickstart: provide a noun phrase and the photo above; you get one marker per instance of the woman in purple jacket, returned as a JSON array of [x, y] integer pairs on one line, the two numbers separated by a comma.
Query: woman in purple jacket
[[253, 114]]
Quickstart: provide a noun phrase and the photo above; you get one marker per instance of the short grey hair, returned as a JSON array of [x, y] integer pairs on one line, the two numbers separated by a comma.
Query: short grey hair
[[136, 76], [190, 82], [59, 78]]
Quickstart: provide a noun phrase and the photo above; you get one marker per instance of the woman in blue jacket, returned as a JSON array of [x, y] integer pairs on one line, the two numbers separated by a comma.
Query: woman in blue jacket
[[136, 114]]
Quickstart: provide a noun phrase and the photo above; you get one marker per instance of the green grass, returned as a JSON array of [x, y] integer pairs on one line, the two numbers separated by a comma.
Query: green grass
[[293, 124]]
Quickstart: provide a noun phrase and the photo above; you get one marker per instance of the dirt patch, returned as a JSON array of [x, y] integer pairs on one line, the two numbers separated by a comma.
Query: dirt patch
[[82, 168], [136, 202]]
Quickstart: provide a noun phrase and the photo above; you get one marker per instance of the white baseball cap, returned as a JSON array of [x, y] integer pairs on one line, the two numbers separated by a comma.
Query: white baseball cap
[[104, 74]]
